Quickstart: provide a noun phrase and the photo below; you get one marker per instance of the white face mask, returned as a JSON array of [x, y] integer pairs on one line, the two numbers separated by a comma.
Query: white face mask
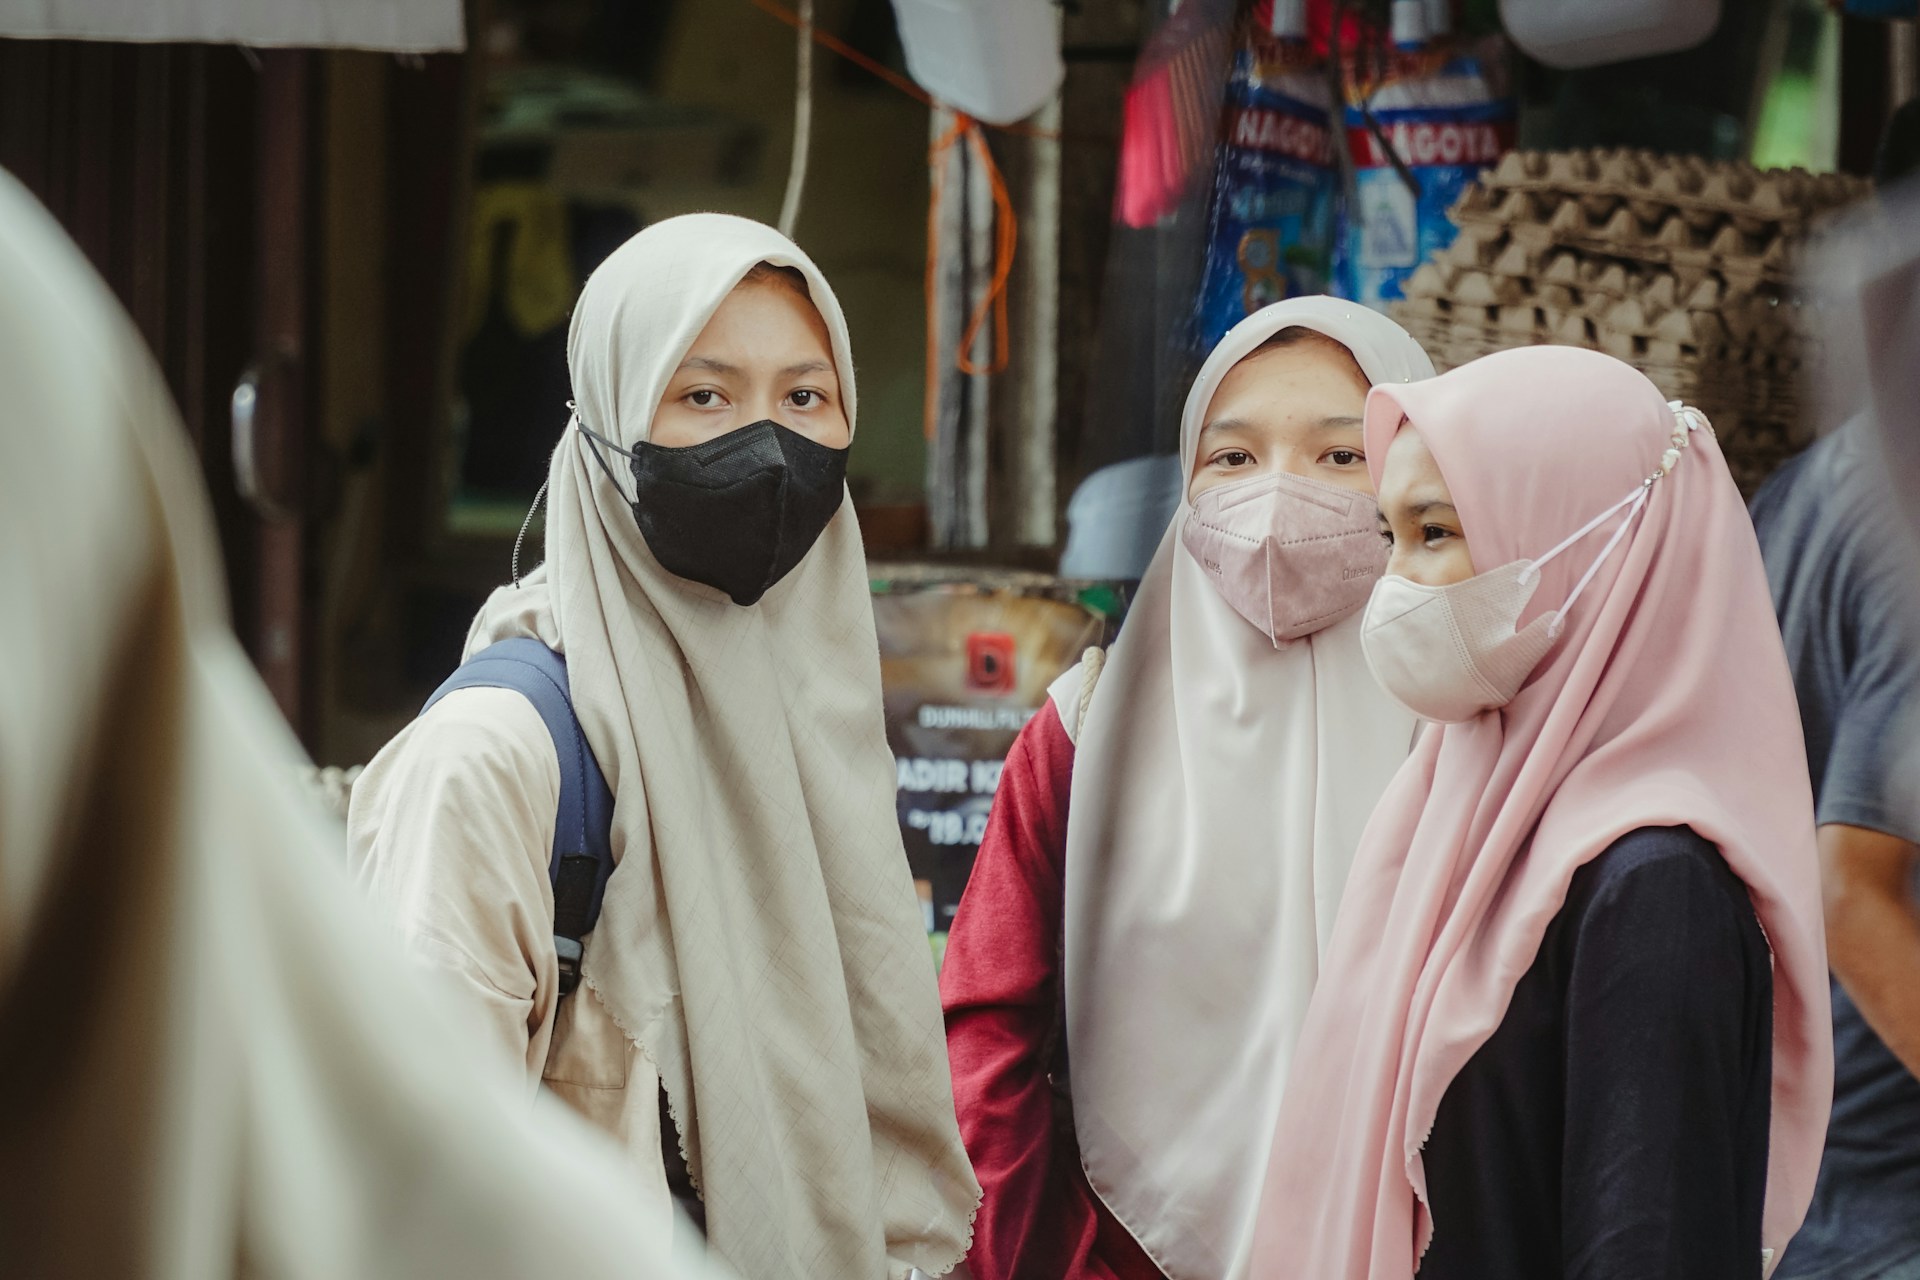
[[1449, 653]]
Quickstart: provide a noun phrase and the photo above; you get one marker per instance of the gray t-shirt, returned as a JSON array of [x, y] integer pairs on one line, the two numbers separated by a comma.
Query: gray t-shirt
[[1849, 608]]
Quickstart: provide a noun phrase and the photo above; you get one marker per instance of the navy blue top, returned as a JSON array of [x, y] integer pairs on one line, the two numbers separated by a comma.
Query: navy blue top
[[1614, 1127], [1844, 602]]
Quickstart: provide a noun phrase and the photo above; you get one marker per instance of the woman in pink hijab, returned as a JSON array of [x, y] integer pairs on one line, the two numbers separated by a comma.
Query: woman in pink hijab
[[1572, 1020]]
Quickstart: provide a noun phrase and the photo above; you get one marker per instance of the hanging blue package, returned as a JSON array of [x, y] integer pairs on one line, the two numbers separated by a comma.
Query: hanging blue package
[[1447, 127], [1271, 222]]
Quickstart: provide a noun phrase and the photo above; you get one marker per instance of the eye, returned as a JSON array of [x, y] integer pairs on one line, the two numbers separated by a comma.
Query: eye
[[805, 398], [1343, 457], [1232, 458], [1434, 532], [1386, 535], [705, 398]]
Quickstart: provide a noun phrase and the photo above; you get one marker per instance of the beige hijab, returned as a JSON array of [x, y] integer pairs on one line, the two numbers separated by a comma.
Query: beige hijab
[[760, 938], [1220, 786], [212, 1063]]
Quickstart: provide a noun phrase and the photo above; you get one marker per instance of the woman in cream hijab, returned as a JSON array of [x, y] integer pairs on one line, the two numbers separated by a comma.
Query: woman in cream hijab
[[212, 1062], [759, 973], [1185, 820]]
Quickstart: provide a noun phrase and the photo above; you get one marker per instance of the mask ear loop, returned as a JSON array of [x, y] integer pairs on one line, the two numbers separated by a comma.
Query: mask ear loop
[[594, 448], [526, 524], [1633, 499], [1636, 502], [1687, 420]]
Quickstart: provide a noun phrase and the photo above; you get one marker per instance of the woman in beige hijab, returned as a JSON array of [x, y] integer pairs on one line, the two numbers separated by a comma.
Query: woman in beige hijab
[[759, 958], [212, 1062], [1143, 927]]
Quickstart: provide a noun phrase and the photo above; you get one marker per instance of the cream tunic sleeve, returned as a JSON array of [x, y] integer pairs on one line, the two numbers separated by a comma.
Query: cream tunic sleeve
[[450, 828], [451, 831]]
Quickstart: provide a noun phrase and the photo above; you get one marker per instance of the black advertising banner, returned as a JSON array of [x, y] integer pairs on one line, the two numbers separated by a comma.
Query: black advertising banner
[[965, 660]]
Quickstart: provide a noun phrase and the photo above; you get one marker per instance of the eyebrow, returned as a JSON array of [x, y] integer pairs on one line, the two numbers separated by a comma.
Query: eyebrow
[[1431, 505], [710, 365], [1241, 424], [1419, 509]]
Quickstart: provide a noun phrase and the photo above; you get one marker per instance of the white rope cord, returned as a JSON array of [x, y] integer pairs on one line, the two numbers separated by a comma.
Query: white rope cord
[[1091, 664], [802, 123]]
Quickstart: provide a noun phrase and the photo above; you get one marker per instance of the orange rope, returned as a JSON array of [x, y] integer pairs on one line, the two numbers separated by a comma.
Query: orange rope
[[847, 51], [1006, 240], [1006, 235], [1006, 223], [892, 77]]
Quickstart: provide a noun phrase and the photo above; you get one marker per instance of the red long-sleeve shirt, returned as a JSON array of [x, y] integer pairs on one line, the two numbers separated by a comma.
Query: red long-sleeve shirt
[[999, 985]]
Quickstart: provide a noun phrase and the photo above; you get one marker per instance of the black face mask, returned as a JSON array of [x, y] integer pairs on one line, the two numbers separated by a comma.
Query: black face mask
[[737, 512]]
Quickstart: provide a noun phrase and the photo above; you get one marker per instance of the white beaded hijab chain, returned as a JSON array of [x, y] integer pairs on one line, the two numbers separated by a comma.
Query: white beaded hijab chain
[[1686, 421]]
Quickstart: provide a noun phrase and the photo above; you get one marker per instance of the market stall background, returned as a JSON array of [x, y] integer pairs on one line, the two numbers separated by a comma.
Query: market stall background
[[352, 235]]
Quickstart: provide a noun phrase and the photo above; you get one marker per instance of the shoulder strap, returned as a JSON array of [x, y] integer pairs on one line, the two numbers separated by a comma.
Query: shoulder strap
[[1092, 663], [582, 856]]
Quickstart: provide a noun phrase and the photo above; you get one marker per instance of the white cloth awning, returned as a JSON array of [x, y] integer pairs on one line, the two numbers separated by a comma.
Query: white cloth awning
[[401, 26]]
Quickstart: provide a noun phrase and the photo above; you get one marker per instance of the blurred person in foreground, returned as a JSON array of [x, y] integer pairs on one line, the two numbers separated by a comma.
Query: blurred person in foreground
[[1843, 585], [212, 1061]]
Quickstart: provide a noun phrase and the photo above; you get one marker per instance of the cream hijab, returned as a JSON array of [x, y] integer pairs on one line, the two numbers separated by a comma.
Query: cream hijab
[[1220, 786], [760, 938], [212, 1061]]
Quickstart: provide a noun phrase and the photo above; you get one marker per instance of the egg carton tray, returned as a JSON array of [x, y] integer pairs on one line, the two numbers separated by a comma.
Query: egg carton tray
[[1545, 221], [1764, 391], [1625, 329], [1649, 183], [1704, 318], [1694, 286], [1754, 442]]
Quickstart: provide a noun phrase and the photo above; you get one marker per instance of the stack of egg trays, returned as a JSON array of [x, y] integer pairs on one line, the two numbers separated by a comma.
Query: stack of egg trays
[[1679, 266]]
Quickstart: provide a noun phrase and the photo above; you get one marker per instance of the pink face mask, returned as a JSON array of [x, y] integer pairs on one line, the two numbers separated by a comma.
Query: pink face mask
[[1291, 555]]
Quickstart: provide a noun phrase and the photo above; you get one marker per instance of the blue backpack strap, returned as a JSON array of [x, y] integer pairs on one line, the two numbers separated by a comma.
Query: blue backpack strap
[[582, 856]]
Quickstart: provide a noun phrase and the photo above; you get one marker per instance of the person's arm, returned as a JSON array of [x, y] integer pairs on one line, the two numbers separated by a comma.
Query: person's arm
[[450, 831], [1867, 808], [999, 988], [1873, 930], [1668, 1032]]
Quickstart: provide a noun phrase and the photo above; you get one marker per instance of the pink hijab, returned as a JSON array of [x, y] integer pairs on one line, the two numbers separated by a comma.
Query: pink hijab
[[1667, 701]]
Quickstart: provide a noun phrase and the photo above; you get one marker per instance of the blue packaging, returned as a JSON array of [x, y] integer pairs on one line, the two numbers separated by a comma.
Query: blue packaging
[[1271, 224], [1448, 127]]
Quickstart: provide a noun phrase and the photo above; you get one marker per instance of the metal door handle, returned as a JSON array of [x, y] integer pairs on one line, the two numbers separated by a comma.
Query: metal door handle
[[247, 473]]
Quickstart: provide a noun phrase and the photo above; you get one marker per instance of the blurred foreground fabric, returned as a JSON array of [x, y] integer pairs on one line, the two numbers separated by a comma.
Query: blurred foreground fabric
[[212, 1061]]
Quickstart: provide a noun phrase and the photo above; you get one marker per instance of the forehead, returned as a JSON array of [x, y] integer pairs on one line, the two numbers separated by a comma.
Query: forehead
[[1411, 473], [766, 318], [1312, 375]]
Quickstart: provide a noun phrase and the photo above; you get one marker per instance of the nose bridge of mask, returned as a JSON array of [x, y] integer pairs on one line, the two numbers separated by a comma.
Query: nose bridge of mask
[[1292, 488], [1224, 509], [1394, 598]]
